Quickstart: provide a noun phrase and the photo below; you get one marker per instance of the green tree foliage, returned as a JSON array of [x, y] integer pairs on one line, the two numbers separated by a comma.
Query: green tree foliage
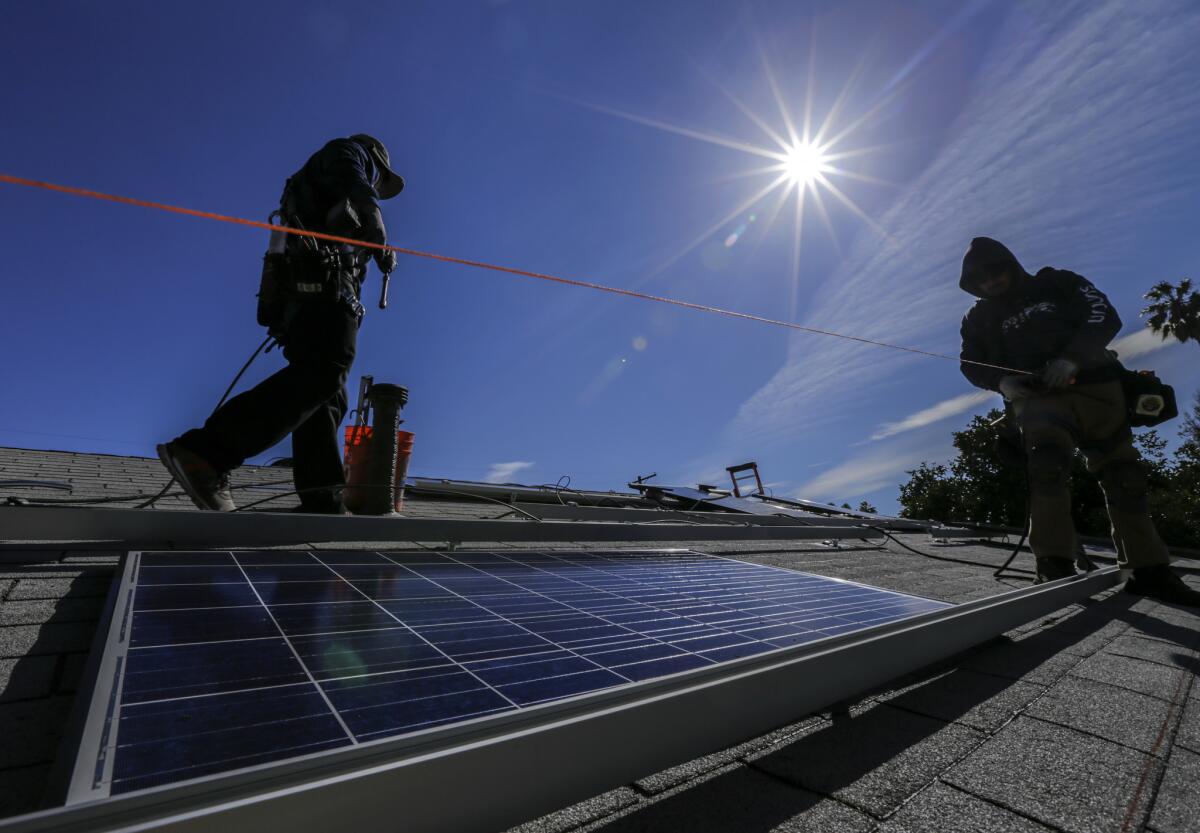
[[1175, 497], [1174, 310], [865, 506], [978, 486], [985, 483]]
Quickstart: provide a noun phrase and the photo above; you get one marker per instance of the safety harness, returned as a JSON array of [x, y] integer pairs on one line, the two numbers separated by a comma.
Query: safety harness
[[297, 269]]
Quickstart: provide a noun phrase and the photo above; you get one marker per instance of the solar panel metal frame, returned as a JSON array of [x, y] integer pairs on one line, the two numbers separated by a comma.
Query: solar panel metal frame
[[149, 529], [94, 767], [555, 753]]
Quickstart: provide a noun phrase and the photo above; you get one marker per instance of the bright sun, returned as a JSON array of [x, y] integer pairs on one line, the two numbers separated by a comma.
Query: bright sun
[[805, 163]]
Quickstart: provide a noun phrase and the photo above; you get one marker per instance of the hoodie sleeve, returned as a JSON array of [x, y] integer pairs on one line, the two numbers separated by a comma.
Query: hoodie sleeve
[[348, 167], [975, 349], [1098, 320]]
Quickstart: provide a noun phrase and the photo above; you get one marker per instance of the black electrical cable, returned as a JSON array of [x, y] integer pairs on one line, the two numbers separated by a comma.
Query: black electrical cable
[[224, 396], [1028, 523], [1016, 549], [378, 486], [165, 489], [50, 501], [891, 537]]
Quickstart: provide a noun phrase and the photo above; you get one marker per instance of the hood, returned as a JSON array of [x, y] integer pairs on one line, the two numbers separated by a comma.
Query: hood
[[390, 183], [983, 256]]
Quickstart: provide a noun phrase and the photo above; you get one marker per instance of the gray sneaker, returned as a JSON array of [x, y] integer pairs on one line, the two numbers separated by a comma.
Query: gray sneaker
[[207, 487]]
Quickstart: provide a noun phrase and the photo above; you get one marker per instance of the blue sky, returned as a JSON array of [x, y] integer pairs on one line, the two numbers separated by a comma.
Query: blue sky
[[610, 142]]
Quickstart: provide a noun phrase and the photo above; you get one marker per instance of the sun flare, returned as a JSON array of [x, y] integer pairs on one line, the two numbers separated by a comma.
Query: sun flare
[[804, 163]]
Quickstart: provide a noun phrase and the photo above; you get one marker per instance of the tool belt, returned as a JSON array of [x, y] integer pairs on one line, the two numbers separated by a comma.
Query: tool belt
[[1148, 400], [291, 278]]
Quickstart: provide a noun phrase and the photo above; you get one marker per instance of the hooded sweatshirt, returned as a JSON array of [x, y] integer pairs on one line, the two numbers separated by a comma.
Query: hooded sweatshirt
[[1053, 314], [342, 170]]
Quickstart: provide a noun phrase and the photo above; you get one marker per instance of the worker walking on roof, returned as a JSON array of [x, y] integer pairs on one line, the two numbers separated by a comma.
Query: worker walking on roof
[[1056, 326], [309, 300]]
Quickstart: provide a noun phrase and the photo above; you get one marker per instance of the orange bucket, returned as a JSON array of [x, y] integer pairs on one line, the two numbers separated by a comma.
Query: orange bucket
[[357, 456]]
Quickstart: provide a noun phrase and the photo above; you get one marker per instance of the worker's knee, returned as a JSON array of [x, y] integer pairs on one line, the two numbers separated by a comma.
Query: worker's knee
[[323, 381], [1049, 466], [1125, 486]]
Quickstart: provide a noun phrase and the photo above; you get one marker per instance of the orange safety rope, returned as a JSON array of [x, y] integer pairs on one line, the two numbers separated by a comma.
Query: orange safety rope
[[208, 215]]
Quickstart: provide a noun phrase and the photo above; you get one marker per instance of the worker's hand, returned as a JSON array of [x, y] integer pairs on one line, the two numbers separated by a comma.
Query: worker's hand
[[385, 259], [1059, 373], [1017, 387]]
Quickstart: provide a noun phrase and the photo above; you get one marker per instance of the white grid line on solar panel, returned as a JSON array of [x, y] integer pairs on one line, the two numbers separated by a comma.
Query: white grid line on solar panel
[[811, 579], [240, 726], [295, 750], [539, 656], [386, 703], [807, 614], [687, 577], [692, 595], [495, 690], [238, 639], [643, 564], [296, 654], [634, 638], [609, 643], [660, 590], [826, 610], [445, 663], [593, 614], [511, 622], [414, 727]]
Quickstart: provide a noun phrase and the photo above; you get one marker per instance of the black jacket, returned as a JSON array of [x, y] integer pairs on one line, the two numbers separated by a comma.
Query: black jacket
[[1053, 314], [342, 170]]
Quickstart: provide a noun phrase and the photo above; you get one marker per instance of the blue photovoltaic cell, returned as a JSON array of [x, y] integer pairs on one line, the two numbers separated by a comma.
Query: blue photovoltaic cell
[[235, 659]]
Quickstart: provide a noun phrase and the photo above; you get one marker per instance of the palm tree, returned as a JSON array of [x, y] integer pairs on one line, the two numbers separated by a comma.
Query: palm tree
[[1175, 310]]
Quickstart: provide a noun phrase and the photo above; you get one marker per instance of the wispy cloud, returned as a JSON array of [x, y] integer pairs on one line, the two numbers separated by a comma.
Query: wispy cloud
[[875, 470], [503, 472], [1140, 343], [1016, 168], [934, 413]]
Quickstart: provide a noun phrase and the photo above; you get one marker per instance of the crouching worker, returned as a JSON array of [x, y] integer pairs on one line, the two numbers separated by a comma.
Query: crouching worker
[[309, 300], [1056, 326]]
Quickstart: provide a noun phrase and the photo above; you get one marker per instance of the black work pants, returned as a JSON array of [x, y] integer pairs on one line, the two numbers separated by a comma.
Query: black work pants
[[306, 399]]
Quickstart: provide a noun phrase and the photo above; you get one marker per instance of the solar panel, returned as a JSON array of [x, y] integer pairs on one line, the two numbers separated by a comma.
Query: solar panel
[[219, 661]]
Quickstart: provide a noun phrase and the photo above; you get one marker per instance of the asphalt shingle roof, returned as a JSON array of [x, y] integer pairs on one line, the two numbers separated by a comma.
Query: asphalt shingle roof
[[1086, 720]]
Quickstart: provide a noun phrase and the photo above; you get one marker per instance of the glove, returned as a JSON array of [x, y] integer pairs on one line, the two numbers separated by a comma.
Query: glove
[[385, 259], [1059, 373], [1016, 387]]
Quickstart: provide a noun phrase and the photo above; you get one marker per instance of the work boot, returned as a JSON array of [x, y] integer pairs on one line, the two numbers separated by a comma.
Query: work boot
[[1051, 569], [1162, 583], [207, 487]]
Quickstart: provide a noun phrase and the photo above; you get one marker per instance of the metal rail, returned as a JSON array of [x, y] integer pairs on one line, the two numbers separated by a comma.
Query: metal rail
[[826, 508], [558, 753], [140, 528], [554, 511], [514, 491]]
